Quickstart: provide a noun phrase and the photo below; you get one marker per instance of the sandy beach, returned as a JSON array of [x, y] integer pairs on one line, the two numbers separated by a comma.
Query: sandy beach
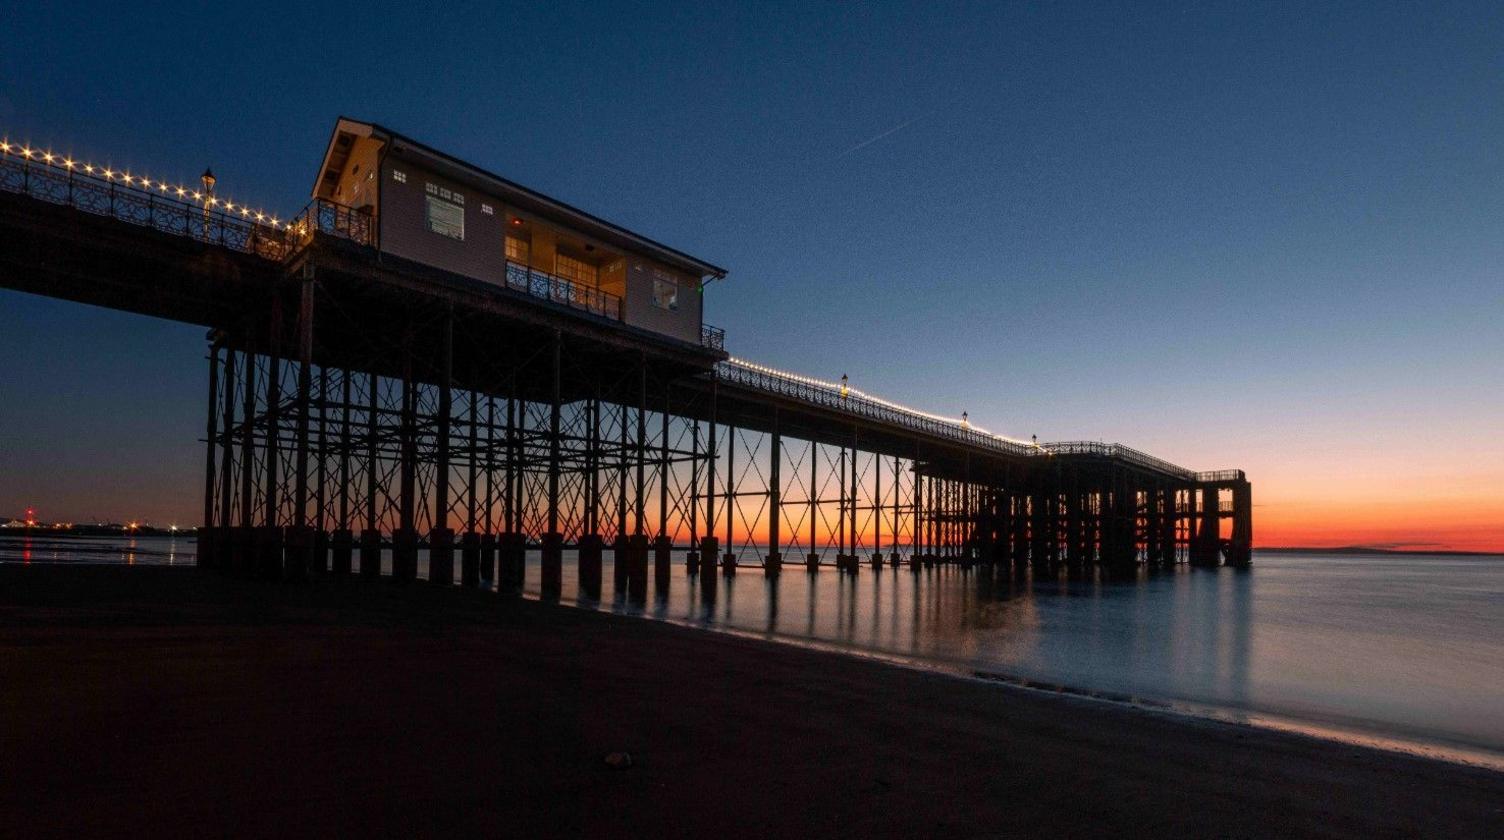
[[169, 702]]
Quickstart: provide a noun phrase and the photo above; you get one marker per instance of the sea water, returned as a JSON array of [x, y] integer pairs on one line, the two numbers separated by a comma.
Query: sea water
[[1399, 651]]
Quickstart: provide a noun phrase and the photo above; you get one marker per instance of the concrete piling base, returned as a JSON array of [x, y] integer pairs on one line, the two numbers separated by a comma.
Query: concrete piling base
[[441, 556], [812, 562], [487, 558], [370, 553], [511, 562], [637, 566], [470, 559], [710, 549], [342, 545], [663, 549], [773, 563], [621, 564], [404, 555], [551, 569], [592, 547]]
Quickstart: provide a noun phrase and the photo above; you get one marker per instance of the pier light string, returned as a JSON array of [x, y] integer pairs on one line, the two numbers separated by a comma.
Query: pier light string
[[141, 182], [960, 423]]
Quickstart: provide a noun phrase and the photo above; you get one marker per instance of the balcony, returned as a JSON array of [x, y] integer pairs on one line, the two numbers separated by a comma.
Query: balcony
[[545, 286]]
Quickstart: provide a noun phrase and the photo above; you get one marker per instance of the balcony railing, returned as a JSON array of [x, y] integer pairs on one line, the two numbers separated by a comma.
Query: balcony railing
[[712, 337], [331, 219], [565, 292]]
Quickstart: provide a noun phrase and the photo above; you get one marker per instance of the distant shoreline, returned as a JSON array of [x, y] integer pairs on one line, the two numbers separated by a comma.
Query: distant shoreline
[[1358, 549], [15, 532]]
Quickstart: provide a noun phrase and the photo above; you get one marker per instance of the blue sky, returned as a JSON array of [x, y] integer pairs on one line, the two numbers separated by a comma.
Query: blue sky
[[1257, 235]]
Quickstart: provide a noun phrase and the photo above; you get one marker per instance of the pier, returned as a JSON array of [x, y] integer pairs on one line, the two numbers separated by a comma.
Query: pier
[[377, 380]]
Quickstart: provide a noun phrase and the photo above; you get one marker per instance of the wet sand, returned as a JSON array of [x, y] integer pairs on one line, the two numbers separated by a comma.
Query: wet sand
[[153, 701]]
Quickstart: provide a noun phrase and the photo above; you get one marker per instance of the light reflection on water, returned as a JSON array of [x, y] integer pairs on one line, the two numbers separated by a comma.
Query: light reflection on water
[[1410, 648]]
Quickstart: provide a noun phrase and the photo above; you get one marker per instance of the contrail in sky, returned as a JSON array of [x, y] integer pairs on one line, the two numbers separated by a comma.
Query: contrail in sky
[[870, 140]]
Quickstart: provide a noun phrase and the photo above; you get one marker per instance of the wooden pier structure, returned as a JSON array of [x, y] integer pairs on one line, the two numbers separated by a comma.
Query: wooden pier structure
[[430, 358]]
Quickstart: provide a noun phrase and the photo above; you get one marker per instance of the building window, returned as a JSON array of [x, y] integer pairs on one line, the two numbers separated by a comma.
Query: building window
[[444, 193], [577, 270], [666, 294], [487, 210], [399, 176], [446, 218], [517, 250]]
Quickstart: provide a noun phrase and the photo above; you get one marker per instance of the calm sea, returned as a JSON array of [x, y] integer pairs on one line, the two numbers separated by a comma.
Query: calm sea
[[1405, 652]]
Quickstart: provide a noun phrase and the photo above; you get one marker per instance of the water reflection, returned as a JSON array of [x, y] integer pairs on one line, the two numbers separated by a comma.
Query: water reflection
[[1410, 645]]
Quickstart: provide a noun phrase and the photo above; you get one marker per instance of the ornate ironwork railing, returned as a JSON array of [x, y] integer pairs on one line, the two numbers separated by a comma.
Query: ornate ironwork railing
[[712, 337], [831, 396], [1221, 475], [1119, 452], [331, 219], [825, 396], [140, 201], [560, 290]]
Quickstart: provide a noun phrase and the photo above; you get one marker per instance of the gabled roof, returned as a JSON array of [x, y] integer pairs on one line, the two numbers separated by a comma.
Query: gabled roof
[[512, 193]]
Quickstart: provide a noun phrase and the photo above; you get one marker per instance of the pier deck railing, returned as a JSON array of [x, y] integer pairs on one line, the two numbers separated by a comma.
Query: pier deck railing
[[141, 201], [832, 396]]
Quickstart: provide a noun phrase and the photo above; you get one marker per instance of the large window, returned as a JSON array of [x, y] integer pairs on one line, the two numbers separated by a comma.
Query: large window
[[577, 270], [446, 212], [665, 294], [517, 250]]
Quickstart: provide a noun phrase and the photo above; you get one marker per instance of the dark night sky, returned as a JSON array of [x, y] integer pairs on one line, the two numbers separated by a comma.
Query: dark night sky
[[1255, 235]]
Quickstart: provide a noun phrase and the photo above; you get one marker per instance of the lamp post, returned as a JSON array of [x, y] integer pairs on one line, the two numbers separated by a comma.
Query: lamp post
[[208, 181], [843, 386]]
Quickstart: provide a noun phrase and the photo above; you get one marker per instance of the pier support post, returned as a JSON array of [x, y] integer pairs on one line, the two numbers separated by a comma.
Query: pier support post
[[441, 541], [552, 572], [1240, 553], [207, 555]]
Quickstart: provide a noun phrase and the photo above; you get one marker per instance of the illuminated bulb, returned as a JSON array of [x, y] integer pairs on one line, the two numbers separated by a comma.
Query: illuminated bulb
[[47, 156], [68, 163], [181, 192], [4, 147]]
